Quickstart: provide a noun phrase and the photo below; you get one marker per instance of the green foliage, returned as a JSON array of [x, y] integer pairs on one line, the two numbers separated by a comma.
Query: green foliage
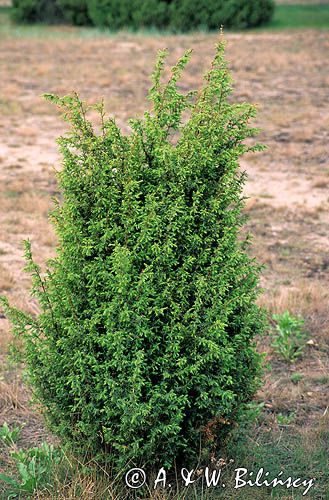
[[177, 15], [289, 337], [9, 437], [144, 344], [33, 11], [51, 11], [180, 15], [296, 377], [74, 11], [211, 14], [109, 13], [286, 419], [252, 411], [134, 14], [34, 470]]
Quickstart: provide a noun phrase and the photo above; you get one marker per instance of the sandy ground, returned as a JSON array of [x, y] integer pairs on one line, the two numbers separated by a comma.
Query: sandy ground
[[284, 73]]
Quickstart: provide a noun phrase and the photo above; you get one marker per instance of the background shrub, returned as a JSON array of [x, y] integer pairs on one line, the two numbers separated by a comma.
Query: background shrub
[[114, 13], [144, 343], [33, 11], [152, 13], [118, 14], [241, 14], [75, 11], [211, 14], [51, 11], [178, 15]]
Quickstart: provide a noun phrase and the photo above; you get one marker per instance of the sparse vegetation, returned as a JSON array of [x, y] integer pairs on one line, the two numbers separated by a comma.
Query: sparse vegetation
[[34, 470], [9, 437], [289, 337], [286, 419], [296, 377], [46, 472]]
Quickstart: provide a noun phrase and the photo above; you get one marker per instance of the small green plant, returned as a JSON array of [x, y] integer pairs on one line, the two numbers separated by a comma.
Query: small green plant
[[285, 419], [253, 410], [322, 379], [9, 437], [34, 470], [296, 377], [289, 337]]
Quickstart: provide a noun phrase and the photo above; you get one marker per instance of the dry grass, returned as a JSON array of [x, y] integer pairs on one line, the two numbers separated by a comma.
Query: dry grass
[[6, 279], [10, 396]]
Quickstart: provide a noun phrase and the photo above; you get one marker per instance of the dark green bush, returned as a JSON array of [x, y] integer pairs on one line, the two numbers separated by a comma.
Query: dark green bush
[[118, 14], [152, 13], [75, 11], [144, 343], [33, 11], [242, 14], [51, 11], [211, 14], [114, 13], [178, 15]]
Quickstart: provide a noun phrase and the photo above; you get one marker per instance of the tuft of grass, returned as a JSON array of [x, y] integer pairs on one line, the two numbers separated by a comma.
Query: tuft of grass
[[9, 437], [300, 453], [296, 377], [322, 379], [285, 419], [289, 338]]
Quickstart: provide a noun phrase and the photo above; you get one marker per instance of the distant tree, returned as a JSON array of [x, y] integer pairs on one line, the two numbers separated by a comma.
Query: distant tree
[[34, 11], [176, 15]]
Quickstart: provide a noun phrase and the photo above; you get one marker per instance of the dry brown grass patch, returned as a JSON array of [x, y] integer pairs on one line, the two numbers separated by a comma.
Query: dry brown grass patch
[[6, 278]]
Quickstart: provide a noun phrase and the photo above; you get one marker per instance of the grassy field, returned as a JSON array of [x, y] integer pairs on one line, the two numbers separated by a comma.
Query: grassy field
[[300, 16], [285, 73]]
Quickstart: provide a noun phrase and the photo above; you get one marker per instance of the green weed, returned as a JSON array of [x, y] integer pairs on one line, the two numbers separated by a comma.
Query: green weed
[[9, 437], [289, 338], [34, 470], [285, 419], [296, 377]]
